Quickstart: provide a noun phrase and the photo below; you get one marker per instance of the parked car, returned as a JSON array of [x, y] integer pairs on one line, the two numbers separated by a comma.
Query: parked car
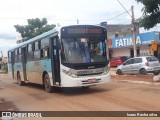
[[118, 60], [139, 65]]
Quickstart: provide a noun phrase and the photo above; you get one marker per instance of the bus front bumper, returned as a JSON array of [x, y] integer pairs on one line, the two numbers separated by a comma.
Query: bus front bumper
[[67, 81]]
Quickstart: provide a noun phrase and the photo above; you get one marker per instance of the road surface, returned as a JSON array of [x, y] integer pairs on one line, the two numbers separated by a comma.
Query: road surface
[[113, 96]]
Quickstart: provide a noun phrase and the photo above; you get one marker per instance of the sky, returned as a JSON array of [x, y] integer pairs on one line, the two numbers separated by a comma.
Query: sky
[[62, 12]]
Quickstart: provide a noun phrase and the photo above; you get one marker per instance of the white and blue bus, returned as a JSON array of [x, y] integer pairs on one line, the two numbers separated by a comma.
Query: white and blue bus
[[75, 56]]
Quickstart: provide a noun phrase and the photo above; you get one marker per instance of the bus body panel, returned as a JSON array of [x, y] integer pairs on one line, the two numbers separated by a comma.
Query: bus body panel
[[35, 70], [18, 69], [10, 70]]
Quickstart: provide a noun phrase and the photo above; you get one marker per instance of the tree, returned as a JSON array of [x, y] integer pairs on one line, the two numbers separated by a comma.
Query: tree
[[151, 13], [35, 27]]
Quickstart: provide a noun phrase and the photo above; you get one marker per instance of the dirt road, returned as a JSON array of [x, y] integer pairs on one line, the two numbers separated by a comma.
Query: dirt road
[[114, 96]]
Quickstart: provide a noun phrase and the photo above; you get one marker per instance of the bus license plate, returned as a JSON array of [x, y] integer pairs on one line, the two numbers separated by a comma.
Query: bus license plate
[[92, 80]]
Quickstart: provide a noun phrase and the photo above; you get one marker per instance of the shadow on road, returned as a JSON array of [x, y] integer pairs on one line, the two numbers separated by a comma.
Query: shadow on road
[[69, 91], [80, 91]]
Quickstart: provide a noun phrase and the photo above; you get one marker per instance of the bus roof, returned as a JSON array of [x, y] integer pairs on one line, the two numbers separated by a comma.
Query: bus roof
[[36, 38], [83, 25]]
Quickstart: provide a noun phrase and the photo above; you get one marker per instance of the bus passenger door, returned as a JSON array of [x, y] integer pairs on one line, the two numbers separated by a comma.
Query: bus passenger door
[[24, 60], [55, 60], [12, 63]]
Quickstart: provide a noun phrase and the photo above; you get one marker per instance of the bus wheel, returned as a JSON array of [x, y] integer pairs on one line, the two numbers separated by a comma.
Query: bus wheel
[[21, 83], [47, 84]]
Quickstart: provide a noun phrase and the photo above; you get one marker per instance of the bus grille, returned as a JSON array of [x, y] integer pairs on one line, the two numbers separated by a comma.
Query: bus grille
[[89, 72]]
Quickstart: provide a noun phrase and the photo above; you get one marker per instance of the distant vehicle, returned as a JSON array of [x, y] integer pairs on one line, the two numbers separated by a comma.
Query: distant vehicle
[[118, 60], [139, 65], [62, 59]]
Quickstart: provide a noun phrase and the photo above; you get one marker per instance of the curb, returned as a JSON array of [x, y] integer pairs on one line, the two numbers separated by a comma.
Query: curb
[[139, 82]]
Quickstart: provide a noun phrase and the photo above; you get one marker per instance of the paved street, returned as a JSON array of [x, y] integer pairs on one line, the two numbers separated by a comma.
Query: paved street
[[114, 96]]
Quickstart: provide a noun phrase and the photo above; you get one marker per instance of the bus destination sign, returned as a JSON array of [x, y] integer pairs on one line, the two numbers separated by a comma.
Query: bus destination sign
[[84, 31]]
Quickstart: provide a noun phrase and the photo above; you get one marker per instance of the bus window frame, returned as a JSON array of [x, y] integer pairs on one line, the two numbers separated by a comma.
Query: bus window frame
[[30, 52], [9, 57], [45, 48], [37, 49]]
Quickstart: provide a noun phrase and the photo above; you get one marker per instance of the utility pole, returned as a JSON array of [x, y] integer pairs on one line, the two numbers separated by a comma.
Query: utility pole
[[77, 21], [134, 33]]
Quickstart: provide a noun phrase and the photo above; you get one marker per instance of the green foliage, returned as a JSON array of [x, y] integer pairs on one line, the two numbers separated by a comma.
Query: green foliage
[[35, 27], [151, 13]]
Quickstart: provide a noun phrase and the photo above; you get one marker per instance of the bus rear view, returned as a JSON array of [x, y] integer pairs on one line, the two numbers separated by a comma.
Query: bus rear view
[[84, 56]]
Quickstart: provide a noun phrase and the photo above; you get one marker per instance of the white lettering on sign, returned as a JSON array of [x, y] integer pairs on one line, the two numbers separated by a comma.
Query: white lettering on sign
[[147, 42], [127, 41], [138, 40]]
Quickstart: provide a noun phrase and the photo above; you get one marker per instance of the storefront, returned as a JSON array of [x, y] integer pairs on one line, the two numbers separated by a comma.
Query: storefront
[[124, 46]]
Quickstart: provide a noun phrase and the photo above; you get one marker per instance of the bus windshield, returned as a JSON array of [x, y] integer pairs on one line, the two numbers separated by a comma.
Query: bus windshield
[[83, 50]]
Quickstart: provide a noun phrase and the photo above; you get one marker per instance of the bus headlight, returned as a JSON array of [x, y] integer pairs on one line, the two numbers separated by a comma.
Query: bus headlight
[[70, 73], [73, 75], [106, 70]]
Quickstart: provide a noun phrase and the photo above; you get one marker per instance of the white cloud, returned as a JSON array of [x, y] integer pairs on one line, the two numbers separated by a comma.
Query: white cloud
[[5, 45]]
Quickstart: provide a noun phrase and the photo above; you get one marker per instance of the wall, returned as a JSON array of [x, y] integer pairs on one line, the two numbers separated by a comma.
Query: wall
[[145, 50], [121, 52], [120, 29]]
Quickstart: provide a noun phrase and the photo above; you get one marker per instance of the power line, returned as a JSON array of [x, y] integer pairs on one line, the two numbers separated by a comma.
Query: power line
[[66, 19], [71, 19], [124, 8], [117, 16]]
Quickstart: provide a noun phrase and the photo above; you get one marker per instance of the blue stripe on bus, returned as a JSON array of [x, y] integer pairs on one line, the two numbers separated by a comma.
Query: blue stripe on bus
[[33, 66], [9, 67], [40, 65], [18, 67]]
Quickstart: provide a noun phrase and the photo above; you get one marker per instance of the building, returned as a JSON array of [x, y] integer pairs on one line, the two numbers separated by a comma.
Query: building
[[124, 45], [118, 30]]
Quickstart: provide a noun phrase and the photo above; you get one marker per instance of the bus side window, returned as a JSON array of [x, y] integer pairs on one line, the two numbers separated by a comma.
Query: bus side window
[[45, 48], [37, 51], [45, 52], [45, 42], [19, 55], [16, 56], [9, 57], [36, 45], [30, 52]]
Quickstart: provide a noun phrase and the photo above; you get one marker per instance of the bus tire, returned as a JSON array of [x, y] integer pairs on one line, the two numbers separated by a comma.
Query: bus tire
[[47, 84], [20, 83]]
